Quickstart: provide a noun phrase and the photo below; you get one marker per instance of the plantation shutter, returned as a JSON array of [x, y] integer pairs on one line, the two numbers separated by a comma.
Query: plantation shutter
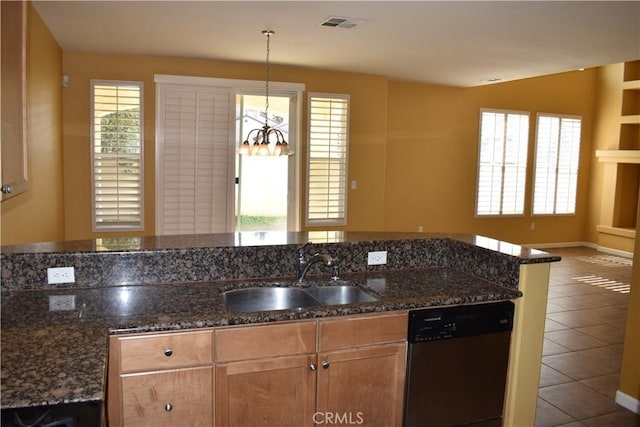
[[117, 169], [327, 159], [556, 166], [502, 163], [194, 160]]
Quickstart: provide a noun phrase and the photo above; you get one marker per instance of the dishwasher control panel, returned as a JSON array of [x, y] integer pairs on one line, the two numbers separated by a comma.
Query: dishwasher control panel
[[432, 324]]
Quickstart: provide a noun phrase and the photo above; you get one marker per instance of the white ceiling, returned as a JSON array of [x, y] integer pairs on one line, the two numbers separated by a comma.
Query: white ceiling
[[443, 42]]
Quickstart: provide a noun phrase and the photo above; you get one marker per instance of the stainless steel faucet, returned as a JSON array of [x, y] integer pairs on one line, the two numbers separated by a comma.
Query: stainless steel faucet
[[306, 260]]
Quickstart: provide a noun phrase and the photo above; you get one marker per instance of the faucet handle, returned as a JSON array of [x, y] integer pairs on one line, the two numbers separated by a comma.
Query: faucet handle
[[302, 250]]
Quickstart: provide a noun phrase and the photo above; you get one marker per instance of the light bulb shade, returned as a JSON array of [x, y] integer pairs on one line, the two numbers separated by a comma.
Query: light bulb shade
[[244, 149], [263, 150]]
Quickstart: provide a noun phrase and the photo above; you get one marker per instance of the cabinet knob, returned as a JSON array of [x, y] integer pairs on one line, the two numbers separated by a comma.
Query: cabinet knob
[[325, 365], [312, 366], [6, 189], [168, 352], [168, 407]]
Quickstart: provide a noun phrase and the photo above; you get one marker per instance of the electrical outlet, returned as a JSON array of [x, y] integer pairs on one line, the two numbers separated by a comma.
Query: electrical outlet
[[62, 302], [377, 258], [61, 275]]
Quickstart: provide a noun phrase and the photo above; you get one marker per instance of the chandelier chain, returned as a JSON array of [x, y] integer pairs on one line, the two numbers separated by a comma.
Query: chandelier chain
[[266, 106]]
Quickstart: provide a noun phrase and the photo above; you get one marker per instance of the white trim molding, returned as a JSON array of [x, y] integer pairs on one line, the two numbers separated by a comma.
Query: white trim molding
[[628, 402]]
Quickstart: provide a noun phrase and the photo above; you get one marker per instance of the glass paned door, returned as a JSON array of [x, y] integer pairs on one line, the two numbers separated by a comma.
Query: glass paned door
[[263, 184]]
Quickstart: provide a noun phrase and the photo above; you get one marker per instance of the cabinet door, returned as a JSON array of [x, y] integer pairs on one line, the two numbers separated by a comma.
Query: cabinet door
[[169, 398], [362, 386], [278, 391], [13, 145]]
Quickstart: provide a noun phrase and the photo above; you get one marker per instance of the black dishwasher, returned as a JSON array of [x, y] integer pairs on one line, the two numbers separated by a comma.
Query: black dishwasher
[[457, 365]]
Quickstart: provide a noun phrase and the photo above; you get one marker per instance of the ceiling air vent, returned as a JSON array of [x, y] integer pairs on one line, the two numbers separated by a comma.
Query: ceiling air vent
[[340, 22]]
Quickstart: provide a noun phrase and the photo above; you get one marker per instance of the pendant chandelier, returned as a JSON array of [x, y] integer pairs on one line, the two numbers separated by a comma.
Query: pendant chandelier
[[262, 137]]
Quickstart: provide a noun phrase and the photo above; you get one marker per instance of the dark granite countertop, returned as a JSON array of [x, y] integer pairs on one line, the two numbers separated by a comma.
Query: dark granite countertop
[[148, 284], [58, 357]]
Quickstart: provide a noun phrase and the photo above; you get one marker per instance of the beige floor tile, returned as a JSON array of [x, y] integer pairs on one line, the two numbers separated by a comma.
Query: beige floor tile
[[579, 316], [550, 347], [548, 415], [577, 366], [610, 356], [577, 400], [609, 333], [616, 419], [606, 384], [574, 340], [552, 325], [549, 376]]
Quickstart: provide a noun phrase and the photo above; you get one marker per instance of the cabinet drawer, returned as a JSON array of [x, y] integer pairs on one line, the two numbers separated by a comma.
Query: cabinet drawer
[[170, 398], [257, 342], [350, 332], [165, 351]]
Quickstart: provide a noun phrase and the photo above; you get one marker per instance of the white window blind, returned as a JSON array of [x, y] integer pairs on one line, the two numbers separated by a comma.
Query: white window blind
[[117, 147], [502, 162], [327, 159], [556, 164], [194, 163]]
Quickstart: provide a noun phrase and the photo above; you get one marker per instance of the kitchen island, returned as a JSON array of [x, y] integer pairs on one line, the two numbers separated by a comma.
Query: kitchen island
[[159, 284]]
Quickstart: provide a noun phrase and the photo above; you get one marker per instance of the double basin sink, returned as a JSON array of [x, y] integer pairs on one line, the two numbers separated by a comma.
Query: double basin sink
[[286, 296]]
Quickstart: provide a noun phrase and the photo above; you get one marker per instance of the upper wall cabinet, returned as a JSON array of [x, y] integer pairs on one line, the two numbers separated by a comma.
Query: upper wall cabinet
[[13, 142]]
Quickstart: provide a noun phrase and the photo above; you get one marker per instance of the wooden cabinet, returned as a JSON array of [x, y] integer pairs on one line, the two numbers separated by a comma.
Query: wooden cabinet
[[13, 140], [170, 398], [277, 391], [301, 373], [161, 379], [265, 375], [361, 371], [365, 385], [279, 378]]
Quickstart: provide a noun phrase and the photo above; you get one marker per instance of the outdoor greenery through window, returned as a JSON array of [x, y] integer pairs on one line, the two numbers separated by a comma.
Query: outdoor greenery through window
[[116, 140], [502, 163], [327, 159], [556, 167]]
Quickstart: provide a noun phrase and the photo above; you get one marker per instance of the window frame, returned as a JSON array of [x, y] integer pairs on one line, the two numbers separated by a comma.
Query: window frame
[[326, 221], [98, 226], [525, 163], [535, 165]]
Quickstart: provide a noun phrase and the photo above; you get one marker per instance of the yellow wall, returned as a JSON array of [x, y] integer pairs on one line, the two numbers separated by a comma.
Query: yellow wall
[[413, 146], [367, 132], [433, 147], [604, 202], [630, 371], [37, 215]]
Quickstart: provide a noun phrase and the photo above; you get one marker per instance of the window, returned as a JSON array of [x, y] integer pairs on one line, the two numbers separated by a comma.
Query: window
[[194, 159], [200, 121], [556, 164], [327, 159], [116, 140], [502, 162]]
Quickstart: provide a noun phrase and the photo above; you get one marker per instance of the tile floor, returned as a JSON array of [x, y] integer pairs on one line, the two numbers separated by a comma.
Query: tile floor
[[584, 330]]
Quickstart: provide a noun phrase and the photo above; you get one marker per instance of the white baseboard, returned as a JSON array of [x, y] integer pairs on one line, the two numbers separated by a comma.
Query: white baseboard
[[628, 402], [599, 248]]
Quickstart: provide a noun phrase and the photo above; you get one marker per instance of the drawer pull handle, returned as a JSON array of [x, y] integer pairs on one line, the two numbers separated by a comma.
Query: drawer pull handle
[[312, 366], [168, 352], [325, 365], [168, 407], [6, 189]]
